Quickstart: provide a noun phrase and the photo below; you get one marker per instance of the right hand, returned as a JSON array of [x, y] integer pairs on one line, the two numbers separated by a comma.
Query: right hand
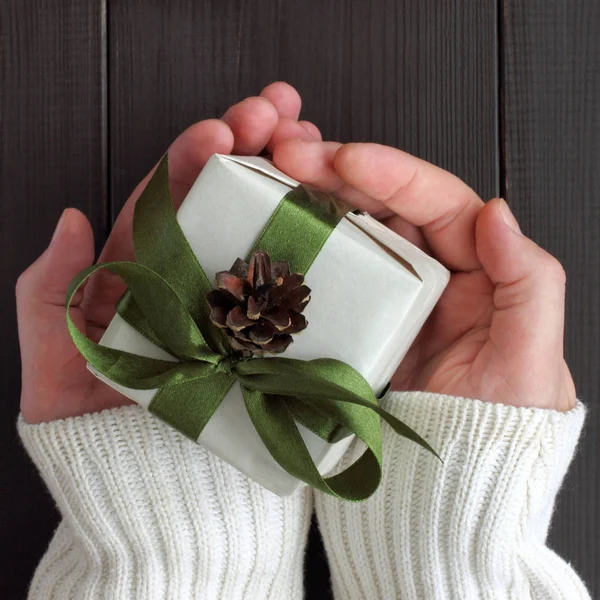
[[497, 332], [55, 381]]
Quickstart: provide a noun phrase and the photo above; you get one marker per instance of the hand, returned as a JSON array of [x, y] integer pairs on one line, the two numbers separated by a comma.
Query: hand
[[497, 332], [56, 383]]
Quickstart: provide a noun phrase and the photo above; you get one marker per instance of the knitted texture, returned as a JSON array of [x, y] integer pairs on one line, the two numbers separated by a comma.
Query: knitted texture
[[149, 514], [472, 528]]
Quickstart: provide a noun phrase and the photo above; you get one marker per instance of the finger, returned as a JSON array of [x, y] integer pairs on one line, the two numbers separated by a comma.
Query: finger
[[284, 98], [252, 122], [529, 297], [42, 288], [288, 103], [312, 162], [423, 194], [408, 231], [71, 249], [187, 156], [312, 129], [53, 371], [289, 129]]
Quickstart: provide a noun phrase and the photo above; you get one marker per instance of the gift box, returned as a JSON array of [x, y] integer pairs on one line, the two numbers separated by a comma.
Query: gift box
[[371, 293]]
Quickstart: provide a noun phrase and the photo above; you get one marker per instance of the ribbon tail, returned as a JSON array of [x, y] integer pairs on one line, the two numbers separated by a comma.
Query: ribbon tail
[[277, 428], [339, 407], [326, 382], [402, 429], [188, 406], [319, 421]]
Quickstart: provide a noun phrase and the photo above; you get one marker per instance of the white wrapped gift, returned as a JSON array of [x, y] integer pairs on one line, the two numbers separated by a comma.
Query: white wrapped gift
[[371, 293]]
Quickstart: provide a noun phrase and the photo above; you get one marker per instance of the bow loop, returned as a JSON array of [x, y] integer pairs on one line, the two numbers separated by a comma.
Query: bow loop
[[166, 302]]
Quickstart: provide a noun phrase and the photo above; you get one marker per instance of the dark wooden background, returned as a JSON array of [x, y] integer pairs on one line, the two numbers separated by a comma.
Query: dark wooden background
[[504, 93]]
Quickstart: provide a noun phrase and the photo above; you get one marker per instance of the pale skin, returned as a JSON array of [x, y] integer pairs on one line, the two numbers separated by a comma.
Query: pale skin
[[496, 334]]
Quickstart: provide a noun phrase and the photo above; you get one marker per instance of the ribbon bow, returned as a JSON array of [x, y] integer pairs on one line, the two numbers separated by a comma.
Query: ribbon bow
[[166, 302]]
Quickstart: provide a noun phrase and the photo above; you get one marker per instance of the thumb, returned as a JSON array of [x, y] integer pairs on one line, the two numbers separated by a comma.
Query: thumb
[[528, 321], [71, 249], [41, 289]]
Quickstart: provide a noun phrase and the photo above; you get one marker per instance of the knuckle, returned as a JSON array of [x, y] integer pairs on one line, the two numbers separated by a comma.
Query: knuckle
[[553, 270], [23, 282], [406, 186], [466, 200]]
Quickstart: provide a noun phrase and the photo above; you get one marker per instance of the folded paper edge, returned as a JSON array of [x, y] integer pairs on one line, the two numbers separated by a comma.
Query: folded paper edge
[[376, 231], [260, 165]]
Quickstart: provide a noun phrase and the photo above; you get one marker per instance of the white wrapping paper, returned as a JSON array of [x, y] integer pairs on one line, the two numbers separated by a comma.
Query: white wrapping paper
[[371, 293]]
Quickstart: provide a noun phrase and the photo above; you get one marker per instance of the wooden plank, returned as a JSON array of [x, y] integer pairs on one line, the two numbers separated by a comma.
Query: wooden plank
[[51, 156], [552, 133], [419, 75], [414, 74]]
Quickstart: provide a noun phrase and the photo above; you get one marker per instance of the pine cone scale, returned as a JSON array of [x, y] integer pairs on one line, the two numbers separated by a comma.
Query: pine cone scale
[[259, 304], [218, 315], [236, 286], [237, 319], [255, 308]]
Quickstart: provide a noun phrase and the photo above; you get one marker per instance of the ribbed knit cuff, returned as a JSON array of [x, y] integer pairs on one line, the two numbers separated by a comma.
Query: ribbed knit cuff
[[473, 527], [149, 514]]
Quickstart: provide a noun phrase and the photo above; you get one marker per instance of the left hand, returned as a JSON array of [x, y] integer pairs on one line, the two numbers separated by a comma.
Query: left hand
[[55, 381]]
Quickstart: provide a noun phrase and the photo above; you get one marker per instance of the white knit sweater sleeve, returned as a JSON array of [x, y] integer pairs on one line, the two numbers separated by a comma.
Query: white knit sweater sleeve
[[148, 514], [472, 528]]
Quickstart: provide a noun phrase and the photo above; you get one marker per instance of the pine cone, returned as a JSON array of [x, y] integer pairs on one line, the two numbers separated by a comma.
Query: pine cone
[[259, 304]]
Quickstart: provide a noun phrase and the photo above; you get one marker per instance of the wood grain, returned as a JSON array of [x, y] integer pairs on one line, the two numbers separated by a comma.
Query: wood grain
[[51, 156], [552, 133], [419, 75]]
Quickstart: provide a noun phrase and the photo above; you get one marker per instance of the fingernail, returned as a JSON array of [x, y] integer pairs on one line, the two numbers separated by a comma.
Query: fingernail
[[508, 217], [58, 226]]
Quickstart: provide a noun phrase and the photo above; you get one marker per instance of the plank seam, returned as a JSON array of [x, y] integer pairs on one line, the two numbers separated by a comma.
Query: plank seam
[[502, 186]]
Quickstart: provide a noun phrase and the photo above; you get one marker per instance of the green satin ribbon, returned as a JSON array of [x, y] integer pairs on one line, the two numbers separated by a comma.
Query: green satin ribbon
[[166, 302]]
